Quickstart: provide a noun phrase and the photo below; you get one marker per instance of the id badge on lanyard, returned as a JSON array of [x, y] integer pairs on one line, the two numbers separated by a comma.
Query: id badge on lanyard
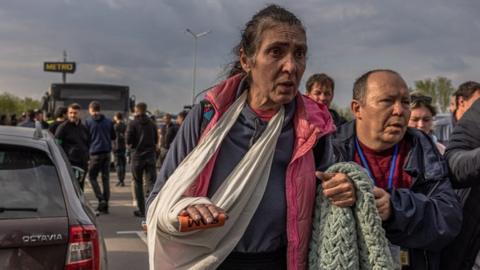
[[400, 256]]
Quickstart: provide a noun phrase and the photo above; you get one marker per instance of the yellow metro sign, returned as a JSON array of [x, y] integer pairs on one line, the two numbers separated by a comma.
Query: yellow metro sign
[[63, 67]]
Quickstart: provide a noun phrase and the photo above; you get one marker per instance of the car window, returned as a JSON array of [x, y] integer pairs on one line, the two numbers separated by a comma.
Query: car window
[[29, 184]]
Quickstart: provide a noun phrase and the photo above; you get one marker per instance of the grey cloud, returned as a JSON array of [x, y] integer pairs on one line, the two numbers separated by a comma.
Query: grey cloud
[[143, 43]]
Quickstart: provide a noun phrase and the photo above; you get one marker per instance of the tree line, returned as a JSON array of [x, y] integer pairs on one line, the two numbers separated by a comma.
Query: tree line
[[11, 104]]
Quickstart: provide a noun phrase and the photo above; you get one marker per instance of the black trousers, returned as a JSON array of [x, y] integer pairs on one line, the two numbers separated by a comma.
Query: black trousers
[[120, 165], [145, 165], [100, 164], [256, 261]]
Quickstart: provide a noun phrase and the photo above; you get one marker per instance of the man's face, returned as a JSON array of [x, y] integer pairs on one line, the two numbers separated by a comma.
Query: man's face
[[452, 105], [465, 104], [73, 115], [179, 120], [167, 119], [321, 93], [93, 112], [382, 119], [39, 116], [278, 65]]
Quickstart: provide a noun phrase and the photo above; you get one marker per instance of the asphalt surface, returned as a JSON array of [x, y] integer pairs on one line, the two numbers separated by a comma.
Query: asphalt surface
[[124, 238]]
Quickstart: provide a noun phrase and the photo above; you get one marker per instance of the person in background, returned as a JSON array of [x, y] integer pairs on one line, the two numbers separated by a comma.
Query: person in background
[[39, 117], [320, 87], [3, 120], [101, 134], [421, 213], [29, 120], [50, 120], [169, 131], [73, 136], [142, 138], [13, 120], [463, 157], [180, 118], [466, 94], [120, 148], [60, 117], [421, 117]]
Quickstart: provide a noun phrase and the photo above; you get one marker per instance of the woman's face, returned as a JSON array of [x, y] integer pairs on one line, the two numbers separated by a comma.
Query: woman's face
[[422, 119], [278, 65]]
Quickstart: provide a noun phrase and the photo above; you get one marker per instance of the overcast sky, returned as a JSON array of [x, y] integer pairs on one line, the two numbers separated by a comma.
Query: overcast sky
[[143, 43]]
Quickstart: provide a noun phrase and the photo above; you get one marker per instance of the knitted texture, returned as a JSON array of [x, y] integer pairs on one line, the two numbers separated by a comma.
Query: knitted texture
[[353, 237]]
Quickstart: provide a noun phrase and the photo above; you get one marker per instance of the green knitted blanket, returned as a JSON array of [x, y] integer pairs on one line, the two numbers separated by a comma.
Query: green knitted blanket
[[349, 238]]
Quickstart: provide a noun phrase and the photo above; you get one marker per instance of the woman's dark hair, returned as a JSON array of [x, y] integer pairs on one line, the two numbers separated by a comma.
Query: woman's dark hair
[[419, 100], [251, 35]]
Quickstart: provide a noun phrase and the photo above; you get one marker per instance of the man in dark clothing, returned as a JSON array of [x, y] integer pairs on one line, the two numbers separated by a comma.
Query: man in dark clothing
[[142, 138], [72, 135], [60, 117], [463, 156], [102, 134], [419, 209], [169, 131], [167, 134], [119, 148], [29, 120], [320, 88]]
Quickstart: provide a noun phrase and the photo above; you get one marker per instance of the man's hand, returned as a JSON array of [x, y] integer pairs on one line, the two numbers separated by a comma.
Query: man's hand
[[207, 212], [382, 200], [338, 188]]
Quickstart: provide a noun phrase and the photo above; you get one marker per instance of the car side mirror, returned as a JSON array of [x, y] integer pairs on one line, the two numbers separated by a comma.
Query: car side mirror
[[79, 173]]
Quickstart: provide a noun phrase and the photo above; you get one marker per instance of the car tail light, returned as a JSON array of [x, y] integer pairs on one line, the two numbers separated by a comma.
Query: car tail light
[[83, 251]]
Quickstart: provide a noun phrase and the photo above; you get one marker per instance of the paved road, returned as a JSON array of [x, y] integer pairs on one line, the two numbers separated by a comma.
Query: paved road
[[126, 243]]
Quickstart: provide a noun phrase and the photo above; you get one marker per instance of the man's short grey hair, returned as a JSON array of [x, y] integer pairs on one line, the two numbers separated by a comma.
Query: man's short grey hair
[[360, 85]]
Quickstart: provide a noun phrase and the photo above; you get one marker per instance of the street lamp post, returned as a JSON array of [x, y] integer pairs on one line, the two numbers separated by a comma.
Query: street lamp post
[[195, 36]]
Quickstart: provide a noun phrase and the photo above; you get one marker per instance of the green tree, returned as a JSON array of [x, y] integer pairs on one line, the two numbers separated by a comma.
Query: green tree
[[343, 112], [439, 89], [10, 104]]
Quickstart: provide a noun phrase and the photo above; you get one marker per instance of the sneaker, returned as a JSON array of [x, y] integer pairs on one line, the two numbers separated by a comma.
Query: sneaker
[[103, 207], [118, 184], [138, 213], [122, 184]]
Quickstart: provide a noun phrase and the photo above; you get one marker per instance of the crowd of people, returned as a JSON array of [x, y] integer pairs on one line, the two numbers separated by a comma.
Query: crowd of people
[[425, 190], [91, 144]]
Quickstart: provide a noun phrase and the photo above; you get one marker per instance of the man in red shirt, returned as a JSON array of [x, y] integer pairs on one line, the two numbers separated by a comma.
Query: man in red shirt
[[414, 197]]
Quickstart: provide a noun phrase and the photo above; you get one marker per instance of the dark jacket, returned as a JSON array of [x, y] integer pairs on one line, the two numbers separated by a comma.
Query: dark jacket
[[337, 118], [119, 144], [53, 127], [426, 217], [463, 156], [168, 135], [142, 136], [74, 140], [101, 134]]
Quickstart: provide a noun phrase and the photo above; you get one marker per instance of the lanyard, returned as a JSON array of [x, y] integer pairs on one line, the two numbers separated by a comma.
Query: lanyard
[[365, 163]]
